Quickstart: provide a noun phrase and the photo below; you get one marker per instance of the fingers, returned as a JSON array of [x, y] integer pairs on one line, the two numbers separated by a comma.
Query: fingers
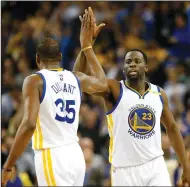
[[91, 17], [82, 20], [92, 13], [100, 27], [85, 19], [80, 17], [88, 19]]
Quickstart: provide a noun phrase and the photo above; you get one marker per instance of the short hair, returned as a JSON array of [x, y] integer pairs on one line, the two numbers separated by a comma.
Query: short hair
[[144, 55], [48, 49]]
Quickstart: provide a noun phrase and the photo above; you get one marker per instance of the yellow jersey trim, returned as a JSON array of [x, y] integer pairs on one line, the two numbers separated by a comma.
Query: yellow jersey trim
[[56, 69], [110, 129], [47, 166], [38, 136]]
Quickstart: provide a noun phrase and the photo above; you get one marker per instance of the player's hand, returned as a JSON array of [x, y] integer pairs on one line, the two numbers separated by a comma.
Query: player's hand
[[6, 175], [96, 28], [186, 173], [86, 33]]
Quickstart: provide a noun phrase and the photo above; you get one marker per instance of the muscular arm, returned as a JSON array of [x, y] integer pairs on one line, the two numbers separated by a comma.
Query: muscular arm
[[28, 124], [173, 132], [81, 64], [96, 83]]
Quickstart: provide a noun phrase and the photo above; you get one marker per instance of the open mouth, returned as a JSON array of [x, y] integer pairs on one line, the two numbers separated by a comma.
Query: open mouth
[[133, 72]]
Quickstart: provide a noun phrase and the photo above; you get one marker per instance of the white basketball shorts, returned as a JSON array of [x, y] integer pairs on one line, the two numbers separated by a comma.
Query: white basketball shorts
[[60, 166], [152, 173]]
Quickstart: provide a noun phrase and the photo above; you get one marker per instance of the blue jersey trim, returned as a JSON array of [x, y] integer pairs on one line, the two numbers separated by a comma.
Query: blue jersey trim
[[161, 98], [133, 90], [118, 100], [79, 86], [44, 86]]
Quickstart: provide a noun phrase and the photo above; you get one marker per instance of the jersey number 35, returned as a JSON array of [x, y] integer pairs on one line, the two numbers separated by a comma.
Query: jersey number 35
[[70, 111]]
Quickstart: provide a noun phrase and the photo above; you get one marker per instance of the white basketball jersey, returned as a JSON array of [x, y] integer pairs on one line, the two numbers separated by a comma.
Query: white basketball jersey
[[58, 117], [134, 127]]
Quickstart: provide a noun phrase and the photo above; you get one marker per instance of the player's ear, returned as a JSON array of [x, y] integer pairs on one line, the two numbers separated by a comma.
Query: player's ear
[[60, 57], [38, 60], [146, 68]]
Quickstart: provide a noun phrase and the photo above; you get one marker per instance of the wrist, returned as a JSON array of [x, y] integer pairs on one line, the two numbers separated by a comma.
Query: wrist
[[86, 45], [8, 166], [86, 48], [7, 169]]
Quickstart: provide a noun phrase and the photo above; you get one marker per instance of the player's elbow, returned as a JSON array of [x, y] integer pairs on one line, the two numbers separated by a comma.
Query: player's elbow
[[171, 128], [29, 124], [104, 86]]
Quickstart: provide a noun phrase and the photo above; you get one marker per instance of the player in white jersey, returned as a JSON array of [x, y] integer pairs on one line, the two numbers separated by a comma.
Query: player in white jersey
[[135, 109], [52, 99]]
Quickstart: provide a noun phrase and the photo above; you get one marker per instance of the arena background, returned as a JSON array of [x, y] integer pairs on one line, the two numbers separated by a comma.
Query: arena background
[[161, 29]]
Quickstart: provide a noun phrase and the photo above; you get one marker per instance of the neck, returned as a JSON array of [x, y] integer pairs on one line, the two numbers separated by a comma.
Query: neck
[[51, 66], [138, 85]]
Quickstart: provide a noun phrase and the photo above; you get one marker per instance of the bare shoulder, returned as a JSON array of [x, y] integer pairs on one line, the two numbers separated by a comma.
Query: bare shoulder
[[79, 74], [164, 96], [33, 81], [113, 83], [114, 87]]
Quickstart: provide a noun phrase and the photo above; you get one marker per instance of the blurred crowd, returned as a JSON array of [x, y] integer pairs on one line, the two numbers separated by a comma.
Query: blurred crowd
[[160, 29]]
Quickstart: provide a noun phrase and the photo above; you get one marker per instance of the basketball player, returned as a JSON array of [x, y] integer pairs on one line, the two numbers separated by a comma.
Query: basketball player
[[52, 99], [135, 108]]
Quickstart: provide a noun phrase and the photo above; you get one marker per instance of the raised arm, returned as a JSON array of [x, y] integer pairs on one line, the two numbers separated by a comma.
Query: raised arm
[[175, 137], [81, 64], [98, 82], [28, 124], [81, 61]]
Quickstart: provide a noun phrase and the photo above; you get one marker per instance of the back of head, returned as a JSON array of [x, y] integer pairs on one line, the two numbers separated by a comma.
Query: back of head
[[48, 50]]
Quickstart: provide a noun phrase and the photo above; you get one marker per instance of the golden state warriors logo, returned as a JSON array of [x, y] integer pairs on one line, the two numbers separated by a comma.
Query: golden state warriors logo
[[141, 121]]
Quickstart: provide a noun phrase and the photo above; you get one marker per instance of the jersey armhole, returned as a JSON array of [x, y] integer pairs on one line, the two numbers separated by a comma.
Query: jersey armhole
[[44, 86], [78, 85], [118, 100], [161, 98]]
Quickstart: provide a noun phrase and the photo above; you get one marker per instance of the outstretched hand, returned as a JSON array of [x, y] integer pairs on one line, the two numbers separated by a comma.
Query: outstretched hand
[[96, 29], [87, 29]]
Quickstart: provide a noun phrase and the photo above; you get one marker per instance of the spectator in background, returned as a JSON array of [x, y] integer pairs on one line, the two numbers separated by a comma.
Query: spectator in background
[[164, 24], [171, 161], [24, 71], [174, 89], [10, 103], [184, 121], [94, 163], [180, 38], [89, 128], [155, 26]]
